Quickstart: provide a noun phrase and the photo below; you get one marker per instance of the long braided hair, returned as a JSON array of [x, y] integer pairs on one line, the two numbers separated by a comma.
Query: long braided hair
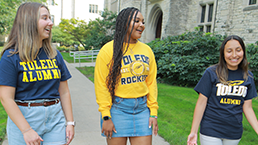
[[123, 21]]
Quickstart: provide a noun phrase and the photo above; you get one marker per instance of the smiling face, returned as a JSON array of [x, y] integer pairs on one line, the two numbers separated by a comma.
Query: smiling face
[[138, 28], [233, 54], [44, 24]]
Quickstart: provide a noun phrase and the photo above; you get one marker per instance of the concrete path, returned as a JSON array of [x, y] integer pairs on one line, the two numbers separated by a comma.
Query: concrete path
[[85, 109]]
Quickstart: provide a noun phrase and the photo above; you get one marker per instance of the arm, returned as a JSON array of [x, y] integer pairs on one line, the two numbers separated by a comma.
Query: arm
[[101, 71], [103, 97], [250, 115], [7, 94], [198, 114], [152, 97], [67, 108]]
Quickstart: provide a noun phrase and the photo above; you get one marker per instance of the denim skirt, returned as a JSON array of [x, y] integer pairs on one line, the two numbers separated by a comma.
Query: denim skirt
[[130, 117]]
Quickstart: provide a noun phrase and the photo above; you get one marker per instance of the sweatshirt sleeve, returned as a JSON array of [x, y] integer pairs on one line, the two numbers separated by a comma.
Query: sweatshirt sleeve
[[103, 97], [152, 86]]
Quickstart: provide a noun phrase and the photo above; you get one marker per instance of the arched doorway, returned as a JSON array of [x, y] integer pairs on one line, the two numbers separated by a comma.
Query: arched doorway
[[159, 26], [155, 18]]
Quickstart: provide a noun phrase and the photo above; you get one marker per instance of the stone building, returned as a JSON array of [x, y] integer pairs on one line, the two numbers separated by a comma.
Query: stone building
[[173, 17]]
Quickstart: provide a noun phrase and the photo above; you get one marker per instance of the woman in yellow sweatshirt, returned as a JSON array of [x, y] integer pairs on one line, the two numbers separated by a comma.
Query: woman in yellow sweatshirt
[[125, 84]]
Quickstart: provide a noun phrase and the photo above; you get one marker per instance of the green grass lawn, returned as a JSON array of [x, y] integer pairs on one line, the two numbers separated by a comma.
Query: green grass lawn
[[88, 72], [3, 117], [69, 59], [176, 107], [3, 120]]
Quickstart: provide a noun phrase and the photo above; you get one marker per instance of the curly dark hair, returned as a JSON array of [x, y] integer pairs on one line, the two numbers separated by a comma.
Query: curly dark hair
[[123, 21]]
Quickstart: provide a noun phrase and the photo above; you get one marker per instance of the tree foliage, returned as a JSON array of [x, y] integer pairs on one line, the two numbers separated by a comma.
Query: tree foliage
[[252, 56], [76, 28], [63, 38], [94, 34], [101, 30], [7, 13]]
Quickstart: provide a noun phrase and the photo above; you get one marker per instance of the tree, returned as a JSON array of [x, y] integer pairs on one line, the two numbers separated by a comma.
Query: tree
[[63, 38], [94, 34], [7, 13], [101, 30], [77, 28]]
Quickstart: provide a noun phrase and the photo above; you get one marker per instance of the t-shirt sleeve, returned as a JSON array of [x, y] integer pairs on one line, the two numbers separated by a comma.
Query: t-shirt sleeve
[[251, 91], [8, 70], [204, 86], [65, 74]]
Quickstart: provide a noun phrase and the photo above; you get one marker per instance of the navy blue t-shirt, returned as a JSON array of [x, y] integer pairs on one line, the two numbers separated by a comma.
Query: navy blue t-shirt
[[39, 79], [222, 117]]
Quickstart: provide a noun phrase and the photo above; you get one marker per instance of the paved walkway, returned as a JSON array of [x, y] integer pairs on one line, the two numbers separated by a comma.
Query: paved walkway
[[85, 109]]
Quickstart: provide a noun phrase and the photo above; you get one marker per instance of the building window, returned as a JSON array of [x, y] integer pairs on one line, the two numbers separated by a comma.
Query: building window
[[210, 13], [96, 8], [203, 13], [53, 19], [206, 18], [252, 2], [201, 28], [93, 8], [208, 29]]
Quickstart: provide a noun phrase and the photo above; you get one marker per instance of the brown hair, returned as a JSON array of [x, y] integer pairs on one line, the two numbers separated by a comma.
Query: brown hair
[[222, 70], [24, 36]]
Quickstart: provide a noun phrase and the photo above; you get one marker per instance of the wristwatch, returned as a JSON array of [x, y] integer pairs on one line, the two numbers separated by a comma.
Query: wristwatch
[[106, 118], [70, 123]]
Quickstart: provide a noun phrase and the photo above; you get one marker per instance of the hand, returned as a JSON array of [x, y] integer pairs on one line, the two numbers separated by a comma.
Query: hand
[[108, 128], [192, 139], [31, 137], [69, 133], [154, 123]]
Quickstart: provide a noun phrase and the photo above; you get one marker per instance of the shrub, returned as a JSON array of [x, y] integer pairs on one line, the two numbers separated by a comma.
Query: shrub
[[252, 56], [181, 60], [81, 48], [62, 48], [1, 43]]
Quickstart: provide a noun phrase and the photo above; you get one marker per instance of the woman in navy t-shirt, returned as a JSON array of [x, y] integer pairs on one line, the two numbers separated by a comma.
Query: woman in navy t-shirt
[[33, 82], [225, 91]]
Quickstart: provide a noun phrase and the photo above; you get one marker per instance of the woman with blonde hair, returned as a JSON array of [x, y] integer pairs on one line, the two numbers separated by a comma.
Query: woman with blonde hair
[[33, 82]]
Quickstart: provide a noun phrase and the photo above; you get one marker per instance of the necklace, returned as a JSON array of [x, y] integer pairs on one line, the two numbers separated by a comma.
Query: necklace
[[131, 49]]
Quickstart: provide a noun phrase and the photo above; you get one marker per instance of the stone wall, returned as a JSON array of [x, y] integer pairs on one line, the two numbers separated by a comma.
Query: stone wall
[[130, 3], [239, 18], [177, 17], [229, 17]]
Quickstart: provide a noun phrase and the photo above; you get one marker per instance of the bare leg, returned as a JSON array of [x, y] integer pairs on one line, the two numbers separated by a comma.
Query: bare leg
[[117, 141], [141, 140]]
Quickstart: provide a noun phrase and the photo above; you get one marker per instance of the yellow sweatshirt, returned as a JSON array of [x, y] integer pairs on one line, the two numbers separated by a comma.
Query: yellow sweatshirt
[[138, 76]]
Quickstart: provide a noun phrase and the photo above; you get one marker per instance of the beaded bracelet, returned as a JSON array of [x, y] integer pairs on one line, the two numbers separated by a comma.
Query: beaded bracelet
[[153, 116], [26, 130]]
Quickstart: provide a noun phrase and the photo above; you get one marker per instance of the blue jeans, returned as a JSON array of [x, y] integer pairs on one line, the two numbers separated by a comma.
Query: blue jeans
[[48, 122]]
